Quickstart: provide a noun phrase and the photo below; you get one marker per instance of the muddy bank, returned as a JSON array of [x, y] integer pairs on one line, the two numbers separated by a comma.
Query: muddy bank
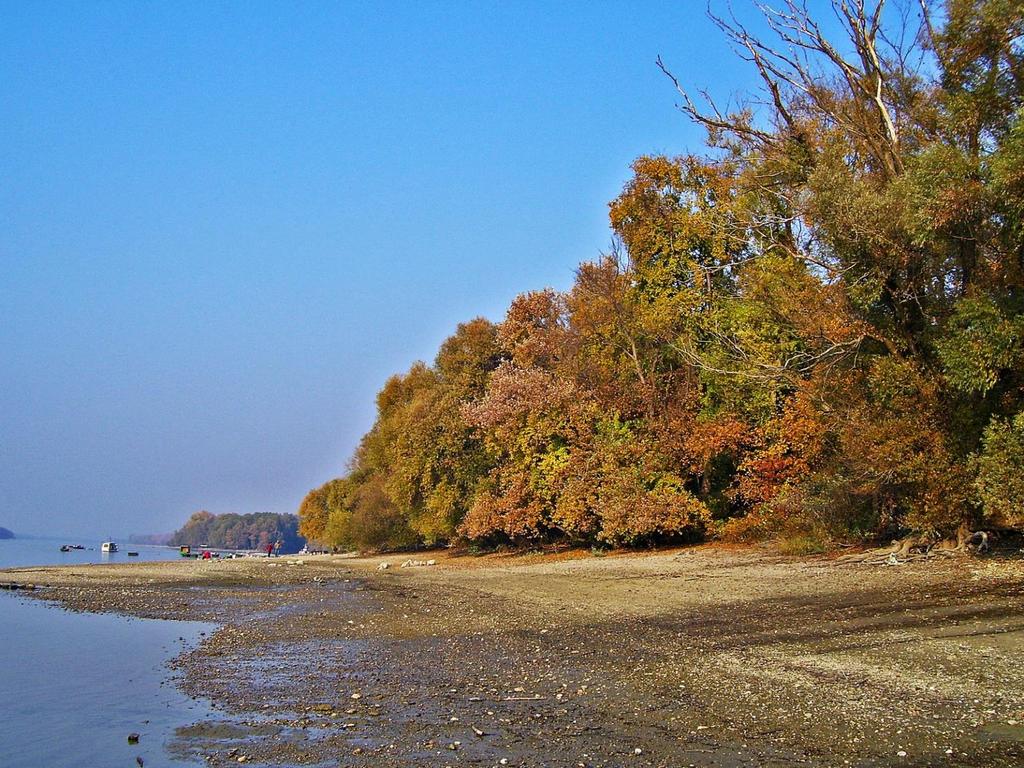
[[704, 656]]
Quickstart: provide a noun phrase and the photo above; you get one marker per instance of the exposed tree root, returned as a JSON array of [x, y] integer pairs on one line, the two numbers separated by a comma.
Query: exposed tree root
[[923, 547]]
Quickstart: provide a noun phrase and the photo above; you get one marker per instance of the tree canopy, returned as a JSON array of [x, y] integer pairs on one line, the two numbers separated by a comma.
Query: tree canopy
[[811, 328], [232, 531]]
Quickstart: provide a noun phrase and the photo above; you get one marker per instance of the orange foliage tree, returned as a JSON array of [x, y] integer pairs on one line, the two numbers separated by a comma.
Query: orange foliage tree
[[812, 327]]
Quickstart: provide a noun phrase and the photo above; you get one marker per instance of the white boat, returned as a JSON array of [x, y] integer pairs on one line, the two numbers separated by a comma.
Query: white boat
[[108, 546]]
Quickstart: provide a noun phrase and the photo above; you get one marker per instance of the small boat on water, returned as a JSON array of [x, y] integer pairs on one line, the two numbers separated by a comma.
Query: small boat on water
[[70, 547], [108, 546]]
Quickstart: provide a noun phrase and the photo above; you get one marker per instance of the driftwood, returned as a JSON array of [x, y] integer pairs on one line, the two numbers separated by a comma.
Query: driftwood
[[923, 546]]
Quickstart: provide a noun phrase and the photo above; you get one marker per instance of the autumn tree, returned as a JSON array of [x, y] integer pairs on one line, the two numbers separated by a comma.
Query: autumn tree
[[880, 267], [313, 514], [811, 328]]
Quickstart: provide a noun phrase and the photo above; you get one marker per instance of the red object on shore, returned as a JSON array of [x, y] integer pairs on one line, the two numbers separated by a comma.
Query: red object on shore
[[206, 554], [269, 548]]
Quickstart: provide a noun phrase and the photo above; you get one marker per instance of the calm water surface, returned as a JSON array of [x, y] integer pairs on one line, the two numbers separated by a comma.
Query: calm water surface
[[73, 686], [22, 552]]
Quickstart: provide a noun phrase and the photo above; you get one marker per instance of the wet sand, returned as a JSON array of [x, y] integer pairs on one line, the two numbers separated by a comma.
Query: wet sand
[[705, 656]]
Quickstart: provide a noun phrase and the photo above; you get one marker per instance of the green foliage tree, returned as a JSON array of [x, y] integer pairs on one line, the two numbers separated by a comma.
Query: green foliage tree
[[233, 531], [1000, 468]]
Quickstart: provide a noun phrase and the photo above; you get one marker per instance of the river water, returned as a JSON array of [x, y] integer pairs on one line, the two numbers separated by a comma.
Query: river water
[[46, 551], [73, 686]]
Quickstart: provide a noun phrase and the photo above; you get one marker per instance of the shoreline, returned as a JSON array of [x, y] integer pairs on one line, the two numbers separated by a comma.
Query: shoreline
[[703, 656]]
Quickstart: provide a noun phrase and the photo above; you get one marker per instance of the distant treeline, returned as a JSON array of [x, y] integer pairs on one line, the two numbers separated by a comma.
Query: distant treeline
[[6, 534], [232, 531], [812, 329]]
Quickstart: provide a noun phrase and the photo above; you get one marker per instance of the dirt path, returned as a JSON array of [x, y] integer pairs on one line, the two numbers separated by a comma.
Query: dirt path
[[703, 657]]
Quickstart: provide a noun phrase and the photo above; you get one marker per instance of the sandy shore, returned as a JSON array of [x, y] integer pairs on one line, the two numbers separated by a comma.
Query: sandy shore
[[704, 657]]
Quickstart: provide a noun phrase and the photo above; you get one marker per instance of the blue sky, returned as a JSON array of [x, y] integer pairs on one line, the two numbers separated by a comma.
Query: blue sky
[[223, 225]]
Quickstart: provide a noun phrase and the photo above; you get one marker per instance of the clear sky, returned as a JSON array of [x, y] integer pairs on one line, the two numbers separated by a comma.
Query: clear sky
[[223, 225]]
